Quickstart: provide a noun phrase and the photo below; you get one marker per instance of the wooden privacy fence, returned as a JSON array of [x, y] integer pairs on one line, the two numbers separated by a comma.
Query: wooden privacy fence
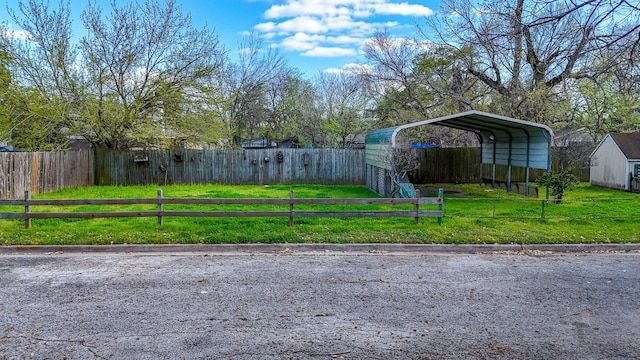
[[43, 172], [462, 165], [291, 212], [235, 167], [40, 172]]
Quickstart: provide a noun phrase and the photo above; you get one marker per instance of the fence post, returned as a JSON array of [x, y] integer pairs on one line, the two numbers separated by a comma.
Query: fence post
[[543, 203], [160, 208], [291, 196], [493, 209], [416, 207], [593, 208], [440, 205], [27, 209]]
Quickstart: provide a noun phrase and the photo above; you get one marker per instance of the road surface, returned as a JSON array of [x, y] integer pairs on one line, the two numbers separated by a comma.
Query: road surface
[[323, 305]]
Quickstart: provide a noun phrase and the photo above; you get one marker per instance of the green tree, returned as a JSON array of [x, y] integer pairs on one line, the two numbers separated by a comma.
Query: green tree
[[148, 70], [5, 81], [283, 111], [40, 100], [310, 127], [36, 122], [610, 102], [142, 73]]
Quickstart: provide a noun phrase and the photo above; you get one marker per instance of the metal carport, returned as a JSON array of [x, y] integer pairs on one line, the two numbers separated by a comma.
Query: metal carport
[[503, 141]]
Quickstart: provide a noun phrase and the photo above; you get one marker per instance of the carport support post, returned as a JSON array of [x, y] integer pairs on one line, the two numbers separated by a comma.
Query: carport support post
[[493, 174], [481, 162]]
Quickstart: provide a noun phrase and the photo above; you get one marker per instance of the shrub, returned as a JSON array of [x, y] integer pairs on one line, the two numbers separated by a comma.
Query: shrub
[[558, 183]]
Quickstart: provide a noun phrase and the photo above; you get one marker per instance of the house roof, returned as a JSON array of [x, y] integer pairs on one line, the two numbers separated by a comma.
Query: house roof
[[629, 144]]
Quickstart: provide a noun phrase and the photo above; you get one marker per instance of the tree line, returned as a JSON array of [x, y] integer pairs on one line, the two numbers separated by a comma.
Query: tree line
[[143, 75]]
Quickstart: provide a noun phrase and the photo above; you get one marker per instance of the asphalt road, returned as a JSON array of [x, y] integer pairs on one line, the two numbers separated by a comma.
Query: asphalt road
[[324, 305]]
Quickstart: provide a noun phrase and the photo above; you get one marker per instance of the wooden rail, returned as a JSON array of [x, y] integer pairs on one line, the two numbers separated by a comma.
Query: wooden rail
[[161, 212]]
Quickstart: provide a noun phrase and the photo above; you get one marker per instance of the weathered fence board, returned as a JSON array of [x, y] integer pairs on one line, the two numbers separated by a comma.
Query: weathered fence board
[[44, 171], [635, 184], [261, 166]]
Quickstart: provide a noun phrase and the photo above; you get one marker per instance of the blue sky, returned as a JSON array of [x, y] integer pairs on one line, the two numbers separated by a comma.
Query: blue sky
[[313, 35]]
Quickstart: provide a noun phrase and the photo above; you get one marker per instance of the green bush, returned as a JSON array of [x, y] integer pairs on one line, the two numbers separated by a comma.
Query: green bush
[[558, 183]]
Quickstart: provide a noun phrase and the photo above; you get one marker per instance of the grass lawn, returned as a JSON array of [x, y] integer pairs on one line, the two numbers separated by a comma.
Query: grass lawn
[[473, 214]]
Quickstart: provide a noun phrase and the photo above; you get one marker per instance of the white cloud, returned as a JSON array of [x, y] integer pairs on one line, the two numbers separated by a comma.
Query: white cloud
[[316, 25], [302, 42], [14, 34], [344, 39], [321, 51], [306, 42], [394, 44], [303, 24], [266, 27], [351, 68], [403, 9], [334, 28], [356, 8], [295, 8]]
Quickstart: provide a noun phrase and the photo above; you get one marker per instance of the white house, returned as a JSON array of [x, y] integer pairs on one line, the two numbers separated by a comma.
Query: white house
[[616, 160]]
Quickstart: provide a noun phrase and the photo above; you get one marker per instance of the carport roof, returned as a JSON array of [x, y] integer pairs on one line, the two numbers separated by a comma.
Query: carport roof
[[506, 141], [470, 121]]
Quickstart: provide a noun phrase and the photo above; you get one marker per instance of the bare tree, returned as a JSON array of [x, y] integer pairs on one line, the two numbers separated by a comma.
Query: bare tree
[[343, 100], [391, 73], [403, 162], [247, 87], [44, 61], [524, 50], [420, 80]]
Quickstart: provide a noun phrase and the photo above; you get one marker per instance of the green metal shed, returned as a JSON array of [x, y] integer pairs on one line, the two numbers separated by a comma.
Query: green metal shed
[[503, 141]]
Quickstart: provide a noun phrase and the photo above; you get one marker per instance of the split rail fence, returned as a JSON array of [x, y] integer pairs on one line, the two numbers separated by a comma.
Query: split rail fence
[[291, 212]]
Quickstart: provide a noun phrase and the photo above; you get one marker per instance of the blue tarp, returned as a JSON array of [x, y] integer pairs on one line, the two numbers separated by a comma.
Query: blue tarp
[[423, 146]]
